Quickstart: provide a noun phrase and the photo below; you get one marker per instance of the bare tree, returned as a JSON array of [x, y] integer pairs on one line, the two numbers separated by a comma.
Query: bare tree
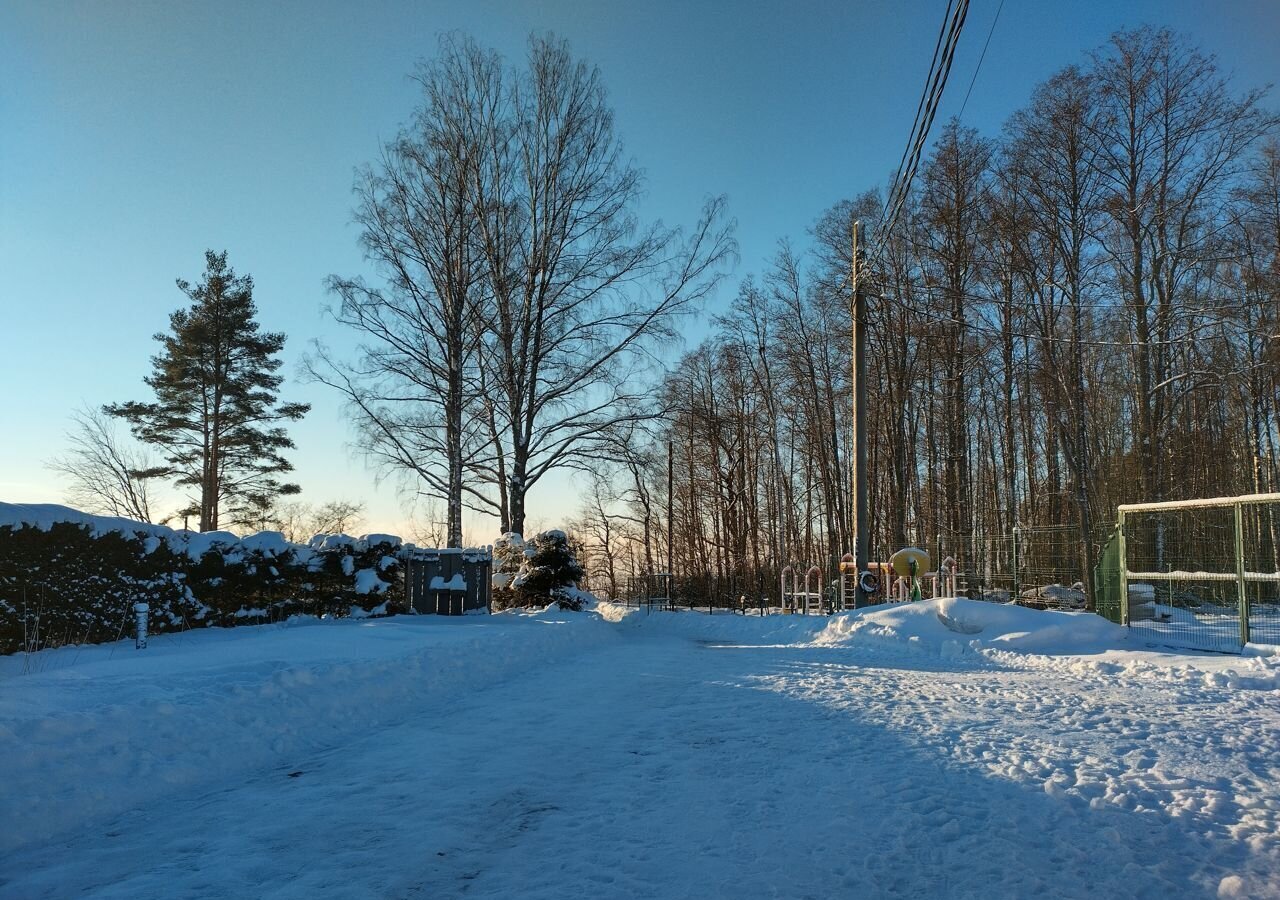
[[415, 377], [1052, 140], [104, 469], [1171, 138], [600, 530], [301, 521], [579, 290]]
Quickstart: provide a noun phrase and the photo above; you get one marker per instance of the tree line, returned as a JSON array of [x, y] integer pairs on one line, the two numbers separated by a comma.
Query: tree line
[[1077, 312]]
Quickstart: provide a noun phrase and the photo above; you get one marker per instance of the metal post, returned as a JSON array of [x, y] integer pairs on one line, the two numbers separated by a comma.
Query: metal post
[[861, 516], [1242, 594], [140, 611], [1124, 568], [1016, 593]]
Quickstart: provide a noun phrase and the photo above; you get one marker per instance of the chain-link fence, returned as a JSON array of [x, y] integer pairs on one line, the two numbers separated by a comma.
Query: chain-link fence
[[753, 592], [1200, 574], [1040, 566]]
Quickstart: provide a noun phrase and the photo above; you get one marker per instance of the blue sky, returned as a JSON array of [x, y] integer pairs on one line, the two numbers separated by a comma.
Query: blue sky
[[135, 135]]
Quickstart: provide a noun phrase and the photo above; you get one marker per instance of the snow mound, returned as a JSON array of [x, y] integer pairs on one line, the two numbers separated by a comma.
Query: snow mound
[[953, 626], [268, 543], [722, 626]]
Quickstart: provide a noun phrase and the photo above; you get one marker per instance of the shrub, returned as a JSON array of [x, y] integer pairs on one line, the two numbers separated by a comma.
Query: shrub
[[549, 573], [64, 584]]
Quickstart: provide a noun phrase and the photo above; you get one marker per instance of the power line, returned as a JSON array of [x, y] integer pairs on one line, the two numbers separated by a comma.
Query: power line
[[944, 319], [978, 67], [924, 95], [935, 84]]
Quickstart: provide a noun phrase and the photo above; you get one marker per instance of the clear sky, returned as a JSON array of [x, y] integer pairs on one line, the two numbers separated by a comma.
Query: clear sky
[[134, 135]]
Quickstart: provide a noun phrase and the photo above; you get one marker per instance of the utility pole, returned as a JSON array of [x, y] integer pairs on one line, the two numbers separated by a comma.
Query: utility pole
[[671, 508], [861, 517]]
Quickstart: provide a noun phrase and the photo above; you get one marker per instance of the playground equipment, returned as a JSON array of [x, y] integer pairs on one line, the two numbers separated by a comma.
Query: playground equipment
[[871, 580], [801, 599], [909, 564], [900, 578], [656, 591], [947, 579]]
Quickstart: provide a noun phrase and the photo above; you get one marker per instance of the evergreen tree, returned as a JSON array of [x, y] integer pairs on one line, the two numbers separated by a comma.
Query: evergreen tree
[[215, 415], [550, 572]]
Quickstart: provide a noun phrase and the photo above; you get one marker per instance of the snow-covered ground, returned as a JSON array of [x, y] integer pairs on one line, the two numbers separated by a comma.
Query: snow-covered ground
[[939, 749]]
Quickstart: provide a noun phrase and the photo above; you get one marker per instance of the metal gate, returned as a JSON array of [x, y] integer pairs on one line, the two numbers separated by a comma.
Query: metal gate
[[449, 582]]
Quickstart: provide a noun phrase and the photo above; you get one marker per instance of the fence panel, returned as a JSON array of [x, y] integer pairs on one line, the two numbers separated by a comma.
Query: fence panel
[[1037, 565], [1260, 534], [1202, 574]]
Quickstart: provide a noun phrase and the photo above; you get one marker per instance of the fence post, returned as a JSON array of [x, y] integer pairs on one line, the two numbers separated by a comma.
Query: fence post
[[140, 611], [1124, 568], [1241, 593]]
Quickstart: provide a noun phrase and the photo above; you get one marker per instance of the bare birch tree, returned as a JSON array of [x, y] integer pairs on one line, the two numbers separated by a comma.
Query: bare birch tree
[[580, 290], [411, 388]]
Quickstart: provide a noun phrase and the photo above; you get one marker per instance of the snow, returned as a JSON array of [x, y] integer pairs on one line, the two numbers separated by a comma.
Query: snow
[[368, 582], [334, 542], [198, 543], [45, 515], [456, 583], [941, 748], [955, 626], [194, 543], [269, 543]]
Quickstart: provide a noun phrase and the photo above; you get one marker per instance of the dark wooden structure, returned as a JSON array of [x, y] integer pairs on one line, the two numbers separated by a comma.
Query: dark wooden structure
[[449, 582]]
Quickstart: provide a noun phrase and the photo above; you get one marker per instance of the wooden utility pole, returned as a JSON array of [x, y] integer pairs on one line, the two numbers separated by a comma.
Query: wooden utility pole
[[861, 517], [671, 509]]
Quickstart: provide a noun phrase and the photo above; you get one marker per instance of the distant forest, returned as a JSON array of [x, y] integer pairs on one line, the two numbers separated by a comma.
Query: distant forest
[[1077, 312]]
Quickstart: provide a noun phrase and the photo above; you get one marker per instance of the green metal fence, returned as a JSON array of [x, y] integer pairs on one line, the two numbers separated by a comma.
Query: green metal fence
[[1199, 574], [1106, 580]]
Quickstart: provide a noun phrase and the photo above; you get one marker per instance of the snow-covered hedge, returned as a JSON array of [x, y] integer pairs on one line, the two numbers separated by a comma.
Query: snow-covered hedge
[[70, 578]]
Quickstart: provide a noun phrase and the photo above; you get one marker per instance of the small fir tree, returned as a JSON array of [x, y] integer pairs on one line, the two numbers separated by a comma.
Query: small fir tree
[[215, 418], [550, 572]]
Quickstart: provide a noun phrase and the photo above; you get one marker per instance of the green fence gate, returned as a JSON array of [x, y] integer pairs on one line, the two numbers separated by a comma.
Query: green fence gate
[[1196, 574]]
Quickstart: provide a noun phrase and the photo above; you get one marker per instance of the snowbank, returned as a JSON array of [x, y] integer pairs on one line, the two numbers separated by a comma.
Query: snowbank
[[723, 625], [945, 627], [954, 626], [1073, 644], [208, 707]]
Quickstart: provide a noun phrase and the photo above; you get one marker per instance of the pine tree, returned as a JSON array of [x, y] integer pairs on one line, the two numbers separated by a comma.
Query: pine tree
[[215, 415]]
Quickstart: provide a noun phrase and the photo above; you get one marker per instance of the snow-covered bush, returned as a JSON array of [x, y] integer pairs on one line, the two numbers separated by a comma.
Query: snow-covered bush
[[76, 581], [508, 558], [548, 573]]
